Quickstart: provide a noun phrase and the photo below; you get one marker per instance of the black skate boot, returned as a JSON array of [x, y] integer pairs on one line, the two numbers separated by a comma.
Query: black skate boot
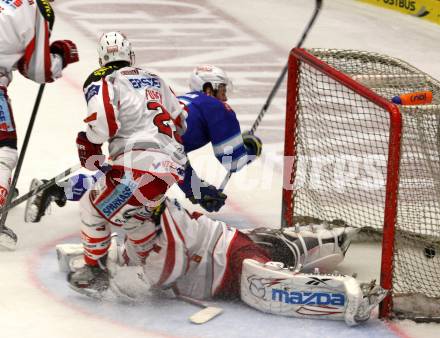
[[37, 205]]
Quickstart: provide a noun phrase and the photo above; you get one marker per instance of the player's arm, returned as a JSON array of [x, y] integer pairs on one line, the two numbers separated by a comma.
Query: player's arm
[[43, 62], [232, 148], [102, 109], [200, 192], [176, 109]]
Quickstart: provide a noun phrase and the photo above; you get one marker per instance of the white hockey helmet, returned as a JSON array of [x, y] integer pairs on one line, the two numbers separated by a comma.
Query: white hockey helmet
[[203, 74], [114, 46]]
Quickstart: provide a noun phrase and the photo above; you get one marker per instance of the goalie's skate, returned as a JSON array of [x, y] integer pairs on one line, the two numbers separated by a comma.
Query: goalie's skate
[[89, 280], [8, 239], [37, 205], [373, 295]]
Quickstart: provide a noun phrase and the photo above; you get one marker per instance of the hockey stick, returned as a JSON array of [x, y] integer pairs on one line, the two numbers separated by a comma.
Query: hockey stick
[[318, 5], [8, 238], [41, 187], [202, 316]]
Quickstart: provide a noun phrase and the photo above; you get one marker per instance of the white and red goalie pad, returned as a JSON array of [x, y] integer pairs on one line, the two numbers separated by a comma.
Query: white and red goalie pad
[[274, 289]]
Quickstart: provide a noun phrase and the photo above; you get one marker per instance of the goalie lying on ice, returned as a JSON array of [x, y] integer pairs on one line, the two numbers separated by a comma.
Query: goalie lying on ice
[[272, 270]]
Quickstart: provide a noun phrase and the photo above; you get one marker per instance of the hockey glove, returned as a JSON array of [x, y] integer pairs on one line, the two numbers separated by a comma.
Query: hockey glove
[[252, 143], [90, 154], [211, 199], [66, 49]]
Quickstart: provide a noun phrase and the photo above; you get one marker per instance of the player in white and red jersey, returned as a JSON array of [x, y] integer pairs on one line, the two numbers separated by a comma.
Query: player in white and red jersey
[[203, 258], [25, 28], [141, 119]]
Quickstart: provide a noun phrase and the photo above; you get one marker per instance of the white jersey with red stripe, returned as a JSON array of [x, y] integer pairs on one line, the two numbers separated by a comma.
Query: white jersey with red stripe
[[25, 27], [133, 109], [188, 251]]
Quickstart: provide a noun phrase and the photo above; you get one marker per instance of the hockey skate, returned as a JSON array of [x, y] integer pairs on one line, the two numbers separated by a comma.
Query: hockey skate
[[373, 295], [89, 280], [8, 239], [37, 205]]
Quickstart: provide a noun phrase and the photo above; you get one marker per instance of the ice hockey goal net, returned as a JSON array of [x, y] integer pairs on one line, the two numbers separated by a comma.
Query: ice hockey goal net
[[353, 155]]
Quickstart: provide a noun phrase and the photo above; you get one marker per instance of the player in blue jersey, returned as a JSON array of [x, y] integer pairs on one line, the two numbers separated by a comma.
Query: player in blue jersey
[[210, 119]]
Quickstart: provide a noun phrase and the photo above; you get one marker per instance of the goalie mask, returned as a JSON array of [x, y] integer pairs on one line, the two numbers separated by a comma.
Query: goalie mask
[[114, 46], [209, 75]]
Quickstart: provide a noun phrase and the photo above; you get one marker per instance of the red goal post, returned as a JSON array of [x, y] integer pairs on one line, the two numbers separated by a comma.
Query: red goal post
[[343, 154]]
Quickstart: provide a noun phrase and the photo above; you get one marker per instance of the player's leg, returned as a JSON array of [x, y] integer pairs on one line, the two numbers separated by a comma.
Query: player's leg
[[8, 144], [117, 202], [240, 248], [272, 288], [95, 238], [314, 244], [98, 210]]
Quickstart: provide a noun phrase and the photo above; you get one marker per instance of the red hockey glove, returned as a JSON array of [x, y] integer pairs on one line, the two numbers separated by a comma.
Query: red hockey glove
[[66, 49], [90, 154]]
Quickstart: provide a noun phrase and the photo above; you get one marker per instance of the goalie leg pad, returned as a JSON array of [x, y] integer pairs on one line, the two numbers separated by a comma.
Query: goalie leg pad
[[66, 254], [274, 289], [70, 256]]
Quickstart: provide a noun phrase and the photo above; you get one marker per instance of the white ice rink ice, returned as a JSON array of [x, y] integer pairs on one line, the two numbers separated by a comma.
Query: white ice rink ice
[[251, 40]]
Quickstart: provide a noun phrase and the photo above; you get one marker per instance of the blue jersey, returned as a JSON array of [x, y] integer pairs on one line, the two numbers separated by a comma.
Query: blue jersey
[[211, 120]]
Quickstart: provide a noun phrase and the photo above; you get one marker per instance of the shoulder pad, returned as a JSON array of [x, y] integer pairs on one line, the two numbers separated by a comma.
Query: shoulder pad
[[99, 74], [46, 11]]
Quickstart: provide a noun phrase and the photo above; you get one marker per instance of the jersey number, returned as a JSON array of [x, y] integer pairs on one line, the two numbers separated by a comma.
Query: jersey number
[[163, 120]]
